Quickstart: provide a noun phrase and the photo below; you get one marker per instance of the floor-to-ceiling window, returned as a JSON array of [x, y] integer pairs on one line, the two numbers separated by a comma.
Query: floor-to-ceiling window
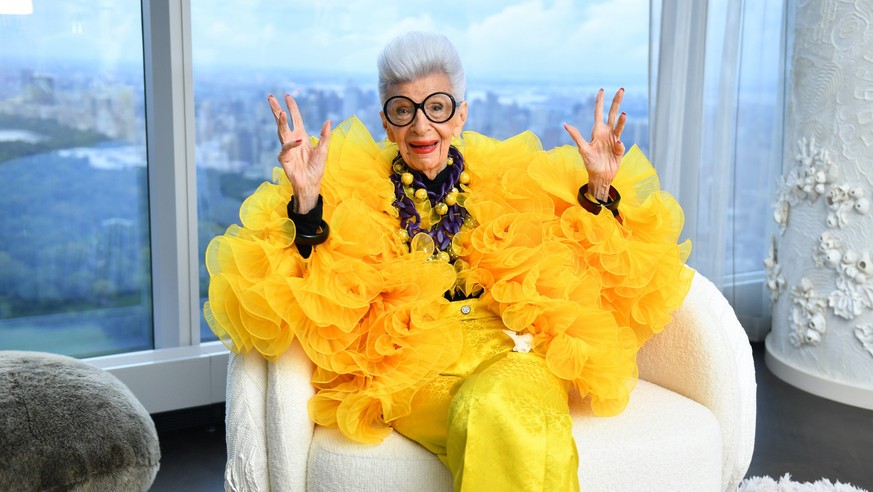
[[74, 219]]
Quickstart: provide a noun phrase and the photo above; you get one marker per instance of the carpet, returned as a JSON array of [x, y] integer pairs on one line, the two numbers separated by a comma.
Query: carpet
[[785, 484]]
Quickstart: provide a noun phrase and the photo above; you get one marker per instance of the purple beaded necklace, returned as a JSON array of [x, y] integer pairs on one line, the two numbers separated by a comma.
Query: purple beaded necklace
[[410, 220]]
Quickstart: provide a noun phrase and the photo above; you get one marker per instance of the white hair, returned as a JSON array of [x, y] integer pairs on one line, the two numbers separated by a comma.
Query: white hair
[[415, 55]]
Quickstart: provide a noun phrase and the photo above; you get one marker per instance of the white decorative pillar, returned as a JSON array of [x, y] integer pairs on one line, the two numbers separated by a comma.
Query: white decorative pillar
[[820, 270]]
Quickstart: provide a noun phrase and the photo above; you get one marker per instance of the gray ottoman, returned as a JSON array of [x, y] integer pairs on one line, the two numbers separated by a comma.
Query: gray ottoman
[[66, 425]]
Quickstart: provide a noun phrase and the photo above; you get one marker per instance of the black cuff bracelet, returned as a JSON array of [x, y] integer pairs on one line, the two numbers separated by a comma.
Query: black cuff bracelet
[[594, 205], [314, 239]]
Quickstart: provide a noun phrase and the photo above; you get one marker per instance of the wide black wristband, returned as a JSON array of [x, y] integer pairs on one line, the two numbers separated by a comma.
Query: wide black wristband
[[311, 227], [594, 205], [308, 222]]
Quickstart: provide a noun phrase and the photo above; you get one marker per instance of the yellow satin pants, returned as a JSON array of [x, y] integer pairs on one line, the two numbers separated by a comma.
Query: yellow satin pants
[[498, 419]]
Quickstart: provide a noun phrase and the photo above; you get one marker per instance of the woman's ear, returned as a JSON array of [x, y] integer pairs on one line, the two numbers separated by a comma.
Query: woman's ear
[[388, 131], [460, 119]]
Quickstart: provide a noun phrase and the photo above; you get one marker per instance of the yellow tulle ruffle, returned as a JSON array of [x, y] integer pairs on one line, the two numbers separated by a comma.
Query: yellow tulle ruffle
[[368, 313]]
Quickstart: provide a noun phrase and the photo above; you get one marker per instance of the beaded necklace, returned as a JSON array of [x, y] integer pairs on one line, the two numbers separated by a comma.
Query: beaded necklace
[[429, 220]]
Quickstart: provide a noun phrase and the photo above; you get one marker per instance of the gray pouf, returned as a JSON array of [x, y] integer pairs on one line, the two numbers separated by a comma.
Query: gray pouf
[[66, 425]]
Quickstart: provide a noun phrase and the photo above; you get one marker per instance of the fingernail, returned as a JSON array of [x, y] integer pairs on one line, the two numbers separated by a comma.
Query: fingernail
[[601, 89], [622, 89], [298, 140]]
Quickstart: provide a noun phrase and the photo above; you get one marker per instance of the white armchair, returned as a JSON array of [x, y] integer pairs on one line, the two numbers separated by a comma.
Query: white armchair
[[690, 423]]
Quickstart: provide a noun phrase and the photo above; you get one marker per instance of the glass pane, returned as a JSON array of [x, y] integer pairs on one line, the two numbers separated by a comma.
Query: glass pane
[[759, 139], [74, 246], [530, 66]]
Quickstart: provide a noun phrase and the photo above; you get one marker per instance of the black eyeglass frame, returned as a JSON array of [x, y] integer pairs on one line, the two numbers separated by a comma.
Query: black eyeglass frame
[[416, 106]]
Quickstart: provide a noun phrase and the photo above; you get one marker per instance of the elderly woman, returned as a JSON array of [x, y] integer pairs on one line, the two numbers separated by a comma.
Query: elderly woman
[[449, 286]]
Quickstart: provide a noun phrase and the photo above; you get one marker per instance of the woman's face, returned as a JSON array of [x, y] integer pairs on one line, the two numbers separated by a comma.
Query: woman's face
[[423, 144]]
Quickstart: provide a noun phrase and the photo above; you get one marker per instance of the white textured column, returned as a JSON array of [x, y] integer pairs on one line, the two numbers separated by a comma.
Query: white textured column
[[820, 271]]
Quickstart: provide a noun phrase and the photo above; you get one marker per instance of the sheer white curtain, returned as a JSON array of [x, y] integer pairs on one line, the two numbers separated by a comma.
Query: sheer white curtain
[[715, 111]]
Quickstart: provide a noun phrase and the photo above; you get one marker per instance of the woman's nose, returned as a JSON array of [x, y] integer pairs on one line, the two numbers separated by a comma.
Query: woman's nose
[[419, 120]]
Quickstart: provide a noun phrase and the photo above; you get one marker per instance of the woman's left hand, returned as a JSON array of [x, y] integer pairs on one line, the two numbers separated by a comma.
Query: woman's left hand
[[602, 154]]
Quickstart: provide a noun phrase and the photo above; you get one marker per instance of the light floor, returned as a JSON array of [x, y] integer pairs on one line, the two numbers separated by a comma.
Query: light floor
[[797, 433]]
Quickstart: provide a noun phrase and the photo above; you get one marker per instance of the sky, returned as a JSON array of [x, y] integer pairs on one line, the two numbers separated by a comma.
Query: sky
[[506, 39], [528, 39]]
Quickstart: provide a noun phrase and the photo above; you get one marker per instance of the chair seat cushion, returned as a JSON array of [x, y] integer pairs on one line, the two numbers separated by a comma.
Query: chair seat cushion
[[67, 425], [662, 441]]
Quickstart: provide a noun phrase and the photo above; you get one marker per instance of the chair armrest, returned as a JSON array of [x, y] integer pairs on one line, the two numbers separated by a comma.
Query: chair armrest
[[289, 428], [267, 421], [704, 354], [245, 421]]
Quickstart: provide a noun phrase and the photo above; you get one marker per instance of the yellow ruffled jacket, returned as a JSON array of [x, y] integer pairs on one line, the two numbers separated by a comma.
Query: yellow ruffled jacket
[[367, 312]]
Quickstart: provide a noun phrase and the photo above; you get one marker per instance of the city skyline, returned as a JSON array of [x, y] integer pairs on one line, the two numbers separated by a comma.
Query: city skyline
[[112, 104]]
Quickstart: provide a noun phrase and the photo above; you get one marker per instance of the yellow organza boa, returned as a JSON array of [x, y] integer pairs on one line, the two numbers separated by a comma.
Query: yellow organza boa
[[367, 312]]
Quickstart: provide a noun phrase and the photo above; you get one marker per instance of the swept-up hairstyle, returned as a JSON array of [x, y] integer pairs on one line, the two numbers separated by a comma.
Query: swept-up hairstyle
[[418, 54]]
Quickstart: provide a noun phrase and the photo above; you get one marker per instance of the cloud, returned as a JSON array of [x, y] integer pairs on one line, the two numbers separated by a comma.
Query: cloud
[[534, 37], [74, 30], [527, 39]]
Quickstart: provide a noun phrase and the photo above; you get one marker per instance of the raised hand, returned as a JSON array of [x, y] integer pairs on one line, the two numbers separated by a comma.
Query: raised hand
[[303, 163], [603, 153]]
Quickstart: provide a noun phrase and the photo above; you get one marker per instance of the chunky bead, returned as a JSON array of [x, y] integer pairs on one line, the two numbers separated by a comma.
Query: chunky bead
[[441, 208], [403, 235], [443, 256], [422, 243], [464, 178], [451, 199], [421, 194], [406, 178]]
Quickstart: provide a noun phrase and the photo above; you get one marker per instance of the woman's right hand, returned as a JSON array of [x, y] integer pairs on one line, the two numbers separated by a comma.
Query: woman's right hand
[[303, 163]]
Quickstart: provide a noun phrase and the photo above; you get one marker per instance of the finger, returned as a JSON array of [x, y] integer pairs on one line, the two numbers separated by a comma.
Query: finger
[[598, 107], [286, 147], [613, 108], [274, 106], [325, 131], [324, 138], [294, 111], [619, 127], [282, 127], [576, 136], [279, 116], [618, 148]]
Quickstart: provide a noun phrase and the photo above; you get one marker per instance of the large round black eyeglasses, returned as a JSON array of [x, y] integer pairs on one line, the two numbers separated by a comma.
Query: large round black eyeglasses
[[438, 107]]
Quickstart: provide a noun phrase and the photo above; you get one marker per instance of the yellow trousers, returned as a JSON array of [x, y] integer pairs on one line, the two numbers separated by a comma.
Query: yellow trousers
[[498, 419]]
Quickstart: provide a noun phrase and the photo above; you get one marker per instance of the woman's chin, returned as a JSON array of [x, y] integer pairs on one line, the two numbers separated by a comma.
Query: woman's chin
[[429, 165]]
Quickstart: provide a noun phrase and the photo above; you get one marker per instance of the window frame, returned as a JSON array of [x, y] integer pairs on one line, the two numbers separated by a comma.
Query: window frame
[[180, 372]]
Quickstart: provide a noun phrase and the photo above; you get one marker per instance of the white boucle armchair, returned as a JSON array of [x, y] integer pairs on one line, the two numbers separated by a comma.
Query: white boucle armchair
[[690, 423]]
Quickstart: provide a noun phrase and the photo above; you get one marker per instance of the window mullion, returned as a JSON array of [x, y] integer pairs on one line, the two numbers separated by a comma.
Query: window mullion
[[172, 186]]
